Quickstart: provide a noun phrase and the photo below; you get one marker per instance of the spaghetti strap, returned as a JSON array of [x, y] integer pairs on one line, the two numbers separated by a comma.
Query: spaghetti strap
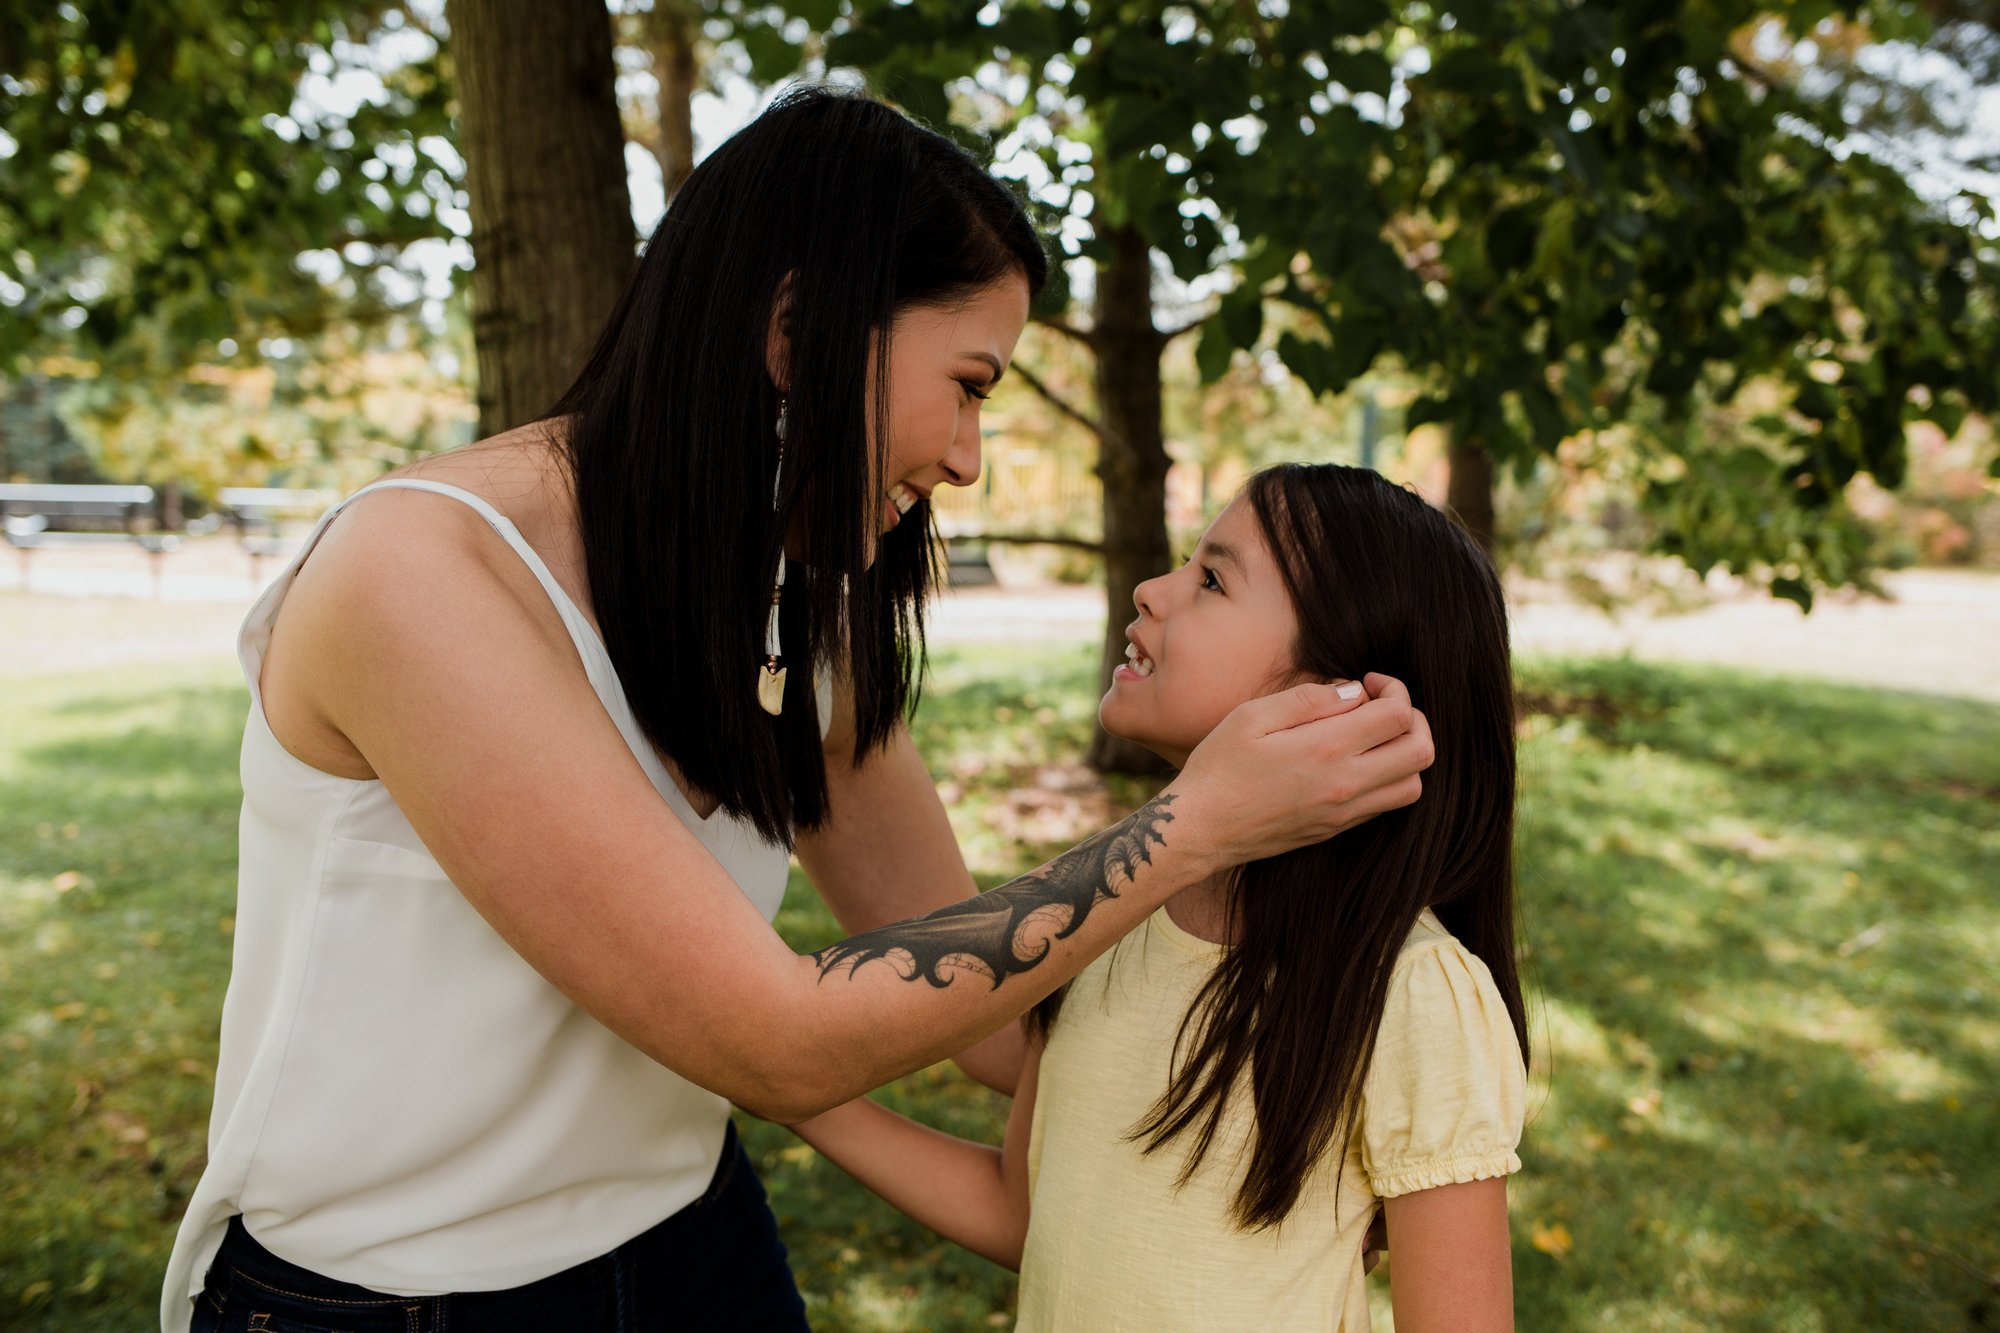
[[588, 642]]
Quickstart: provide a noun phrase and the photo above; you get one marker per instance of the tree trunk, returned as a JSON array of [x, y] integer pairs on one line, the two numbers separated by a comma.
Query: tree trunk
[[1132, 463], [1469, 495], [552, 238], [674, 27]]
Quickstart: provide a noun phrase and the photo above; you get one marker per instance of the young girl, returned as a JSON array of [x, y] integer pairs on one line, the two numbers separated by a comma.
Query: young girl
[[1215, 1109]]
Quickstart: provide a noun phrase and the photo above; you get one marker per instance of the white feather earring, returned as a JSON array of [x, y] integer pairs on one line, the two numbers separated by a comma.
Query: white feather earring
[[771, 676]]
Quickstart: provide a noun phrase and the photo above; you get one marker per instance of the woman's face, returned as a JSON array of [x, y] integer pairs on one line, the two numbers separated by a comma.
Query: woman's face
[[942, 364], [1215, 633]]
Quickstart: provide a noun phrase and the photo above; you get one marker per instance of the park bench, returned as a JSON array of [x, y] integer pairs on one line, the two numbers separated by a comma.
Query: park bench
[[256, 513], [36, 517]]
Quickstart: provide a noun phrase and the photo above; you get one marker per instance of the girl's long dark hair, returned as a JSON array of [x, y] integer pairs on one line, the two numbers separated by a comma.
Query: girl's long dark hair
[[853, 213], [1380, 581]]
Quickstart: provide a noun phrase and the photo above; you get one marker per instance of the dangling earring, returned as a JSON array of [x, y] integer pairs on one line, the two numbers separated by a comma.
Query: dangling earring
[[771, 676]]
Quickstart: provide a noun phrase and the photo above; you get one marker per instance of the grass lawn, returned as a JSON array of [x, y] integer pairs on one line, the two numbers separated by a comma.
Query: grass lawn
[[1761, 920]]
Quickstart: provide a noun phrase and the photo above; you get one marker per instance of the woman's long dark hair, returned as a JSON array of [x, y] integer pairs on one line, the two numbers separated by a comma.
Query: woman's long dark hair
[[1380, 581], [670, 437]]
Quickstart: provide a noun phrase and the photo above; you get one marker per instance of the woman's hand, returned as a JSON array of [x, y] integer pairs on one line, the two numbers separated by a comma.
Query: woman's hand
[[1299, 766]]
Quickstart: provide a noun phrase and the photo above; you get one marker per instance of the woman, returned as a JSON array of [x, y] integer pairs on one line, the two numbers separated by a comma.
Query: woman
[[528, 743]]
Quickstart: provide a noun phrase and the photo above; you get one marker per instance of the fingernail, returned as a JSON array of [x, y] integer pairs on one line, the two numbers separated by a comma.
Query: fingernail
[[1350, 690]]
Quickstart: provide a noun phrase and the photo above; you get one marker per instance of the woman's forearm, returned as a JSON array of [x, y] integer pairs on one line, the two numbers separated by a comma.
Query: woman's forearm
[[954, 1187], [881, 1004], [806, 1033]]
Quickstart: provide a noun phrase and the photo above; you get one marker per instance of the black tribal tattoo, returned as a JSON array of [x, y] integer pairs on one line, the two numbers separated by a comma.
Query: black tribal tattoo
[[984, 933]]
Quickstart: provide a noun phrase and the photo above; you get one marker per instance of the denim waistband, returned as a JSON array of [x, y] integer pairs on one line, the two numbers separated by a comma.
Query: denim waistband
[[241, 1250]]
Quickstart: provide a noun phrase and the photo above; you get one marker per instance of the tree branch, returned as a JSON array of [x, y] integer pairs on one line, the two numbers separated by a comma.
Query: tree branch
[[973, 534], [1058, 402], [1068, 330]]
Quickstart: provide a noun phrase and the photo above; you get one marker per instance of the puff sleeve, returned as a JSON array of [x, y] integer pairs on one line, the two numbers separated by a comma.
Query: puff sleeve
[[1446, 1095]]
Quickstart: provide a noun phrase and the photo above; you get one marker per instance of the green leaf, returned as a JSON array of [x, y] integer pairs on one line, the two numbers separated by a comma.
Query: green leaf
[[1817, 401], [1310, 360], [1356, 341], [772, 58], [1470, 72], [1426, 410], [1243, 316], [1948, 412], [819, 13], [1213, 352], [1349, 18], [1793, 590], [1360, 71]]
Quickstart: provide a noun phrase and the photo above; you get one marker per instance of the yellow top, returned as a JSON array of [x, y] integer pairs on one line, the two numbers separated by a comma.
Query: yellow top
[[1111, 1245]]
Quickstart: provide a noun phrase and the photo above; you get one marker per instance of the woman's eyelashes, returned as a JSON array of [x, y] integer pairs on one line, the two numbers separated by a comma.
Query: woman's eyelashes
[[972, 390]]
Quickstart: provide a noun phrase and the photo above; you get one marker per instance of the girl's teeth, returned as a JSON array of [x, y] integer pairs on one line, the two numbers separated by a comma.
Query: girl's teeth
[[1138, 661], [902, 497]]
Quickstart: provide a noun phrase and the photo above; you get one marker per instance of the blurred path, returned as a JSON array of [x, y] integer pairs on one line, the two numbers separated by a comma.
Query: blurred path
[[99, 607]]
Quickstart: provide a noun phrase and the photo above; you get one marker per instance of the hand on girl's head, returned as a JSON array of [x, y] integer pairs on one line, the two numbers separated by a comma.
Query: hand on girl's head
[[1347, 760]]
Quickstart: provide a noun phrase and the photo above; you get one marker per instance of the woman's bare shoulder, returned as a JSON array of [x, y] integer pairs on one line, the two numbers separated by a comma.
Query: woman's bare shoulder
[[399, 530], [404, 571]]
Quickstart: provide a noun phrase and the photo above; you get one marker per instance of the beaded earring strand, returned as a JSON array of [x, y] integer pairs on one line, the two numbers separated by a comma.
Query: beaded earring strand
[[771, 676]]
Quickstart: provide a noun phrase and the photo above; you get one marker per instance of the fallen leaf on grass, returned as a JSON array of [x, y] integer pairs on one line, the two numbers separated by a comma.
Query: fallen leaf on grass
[[124, 1127], [1554, 1241]]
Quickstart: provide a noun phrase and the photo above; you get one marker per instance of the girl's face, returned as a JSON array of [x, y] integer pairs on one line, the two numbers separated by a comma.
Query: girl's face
[[942, 365], [1214, 633]]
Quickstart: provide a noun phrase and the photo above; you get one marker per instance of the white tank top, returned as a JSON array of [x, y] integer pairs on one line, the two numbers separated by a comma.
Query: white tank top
[[401, 1101]]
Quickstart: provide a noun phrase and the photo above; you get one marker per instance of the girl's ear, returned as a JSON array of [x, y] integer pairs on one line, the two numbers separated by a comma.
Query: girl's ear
[[1284, 678], [778, 337]]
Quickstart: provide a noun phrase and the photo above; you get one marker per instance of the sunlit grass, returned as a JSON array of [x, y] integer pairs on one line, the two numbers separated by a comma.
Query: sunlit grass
[[1759, 920]]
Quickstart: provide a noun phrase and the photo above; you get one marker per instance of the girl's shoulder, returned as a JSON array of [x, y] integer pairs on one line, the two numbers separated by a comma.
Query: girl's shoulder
[[1440, 986], [1445, 1098]]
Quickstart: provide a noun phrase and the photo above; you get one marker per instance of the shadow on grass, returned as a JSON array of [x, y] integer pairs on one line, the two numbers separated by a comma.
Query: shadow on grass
[[117, 881], [1759, 912], [1760, 933]]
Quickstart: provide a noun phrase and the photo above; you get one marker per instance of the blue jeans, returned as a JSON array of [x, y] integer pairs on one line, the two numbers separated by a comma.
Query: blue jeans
[[715, 1264]]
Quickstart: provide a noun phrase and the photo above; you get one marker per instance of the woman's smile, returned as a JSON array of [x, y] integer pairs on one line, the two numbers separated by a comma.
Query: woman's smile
[[898, 502]]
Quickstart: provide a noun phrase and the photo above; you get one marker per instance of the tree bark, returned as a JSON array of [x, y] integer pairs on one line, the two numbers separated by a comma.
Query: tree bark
[[552, 236], [1132, 463], [1469, 494], [674, 27]]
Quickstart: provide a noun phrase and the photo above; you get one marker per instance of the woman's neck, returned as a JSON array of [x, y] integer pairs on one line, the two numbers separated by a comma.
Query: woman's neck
[[1202, 909]]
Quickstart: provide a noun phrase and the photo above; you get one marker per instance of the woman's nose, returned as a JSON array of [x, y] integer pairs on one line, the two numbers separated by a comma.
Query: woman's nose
[[961, 461]]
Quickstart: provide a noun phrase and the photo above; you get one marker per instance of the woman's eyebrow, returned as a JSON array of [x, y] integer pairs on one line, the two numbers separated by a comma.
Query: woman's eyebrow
[[992, 363]]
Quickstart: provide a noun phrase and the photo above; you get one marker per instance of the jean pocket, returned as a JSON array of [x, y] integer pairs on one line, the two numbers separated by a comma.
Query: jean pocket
[[257, 1306], [211, 1307]]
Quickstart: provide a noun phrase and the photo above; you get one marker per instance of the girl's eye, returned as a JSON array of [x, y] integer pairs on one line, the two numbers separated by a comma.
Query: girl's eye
[[1209, 581], [972, 392]]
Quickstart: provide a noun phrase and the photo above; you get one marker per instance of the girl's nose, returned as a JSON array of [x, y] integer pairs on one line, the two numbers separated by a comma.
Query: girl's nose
[[1147, 597]]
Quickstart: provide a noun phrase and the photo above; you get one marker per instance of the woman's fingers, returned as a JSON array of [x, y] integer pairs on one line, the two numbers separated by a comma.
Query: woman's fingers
[[1301, 705], [1347, 759], [1361, 729]]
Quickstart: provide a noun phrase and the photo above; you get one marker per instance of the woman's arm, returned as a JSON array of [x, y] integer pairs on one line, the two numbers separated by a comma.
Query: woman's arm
[[436, 655], [970, 1193], [889, 802], [1452, 1267]]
